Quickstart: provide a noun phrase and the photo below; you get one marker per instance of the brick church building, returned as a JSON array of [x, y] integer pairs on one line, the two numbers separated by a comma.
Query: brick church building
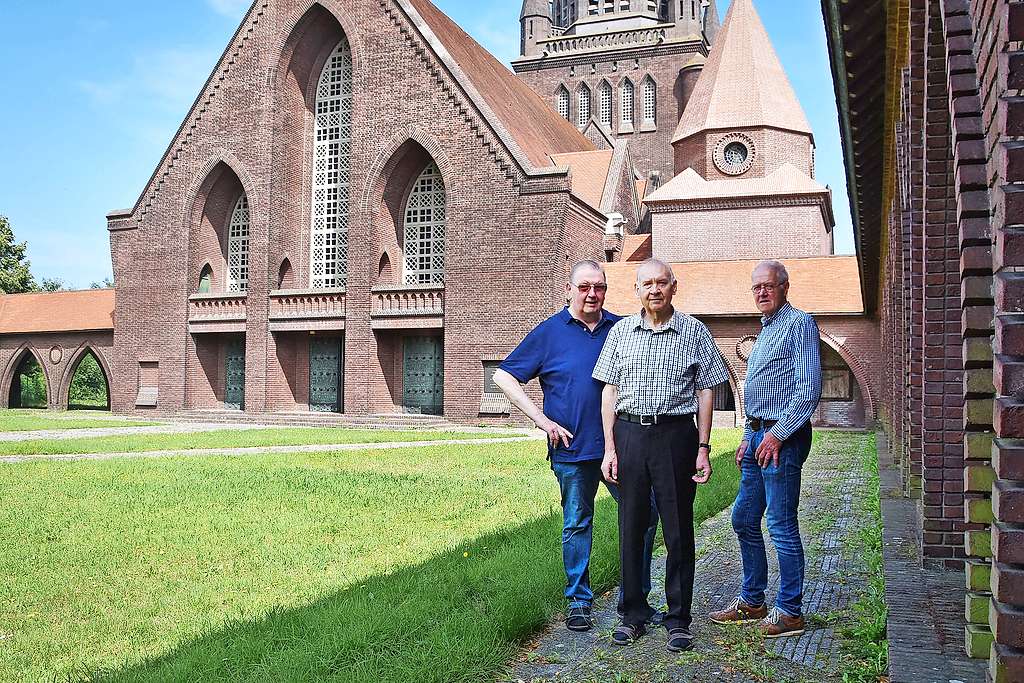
[[364, 211]]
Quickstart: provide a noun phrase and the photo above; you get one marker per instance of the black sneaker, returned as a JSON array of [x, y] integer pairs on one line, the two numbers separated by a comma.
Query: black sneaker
[[579, 619], [679, 640], [627, 634]]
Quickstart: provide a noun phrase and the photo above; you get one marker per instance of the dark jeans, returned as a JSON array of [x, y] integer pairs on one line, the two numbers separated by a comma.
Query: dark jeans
[[662, 457], [775, 488], [578, 482]]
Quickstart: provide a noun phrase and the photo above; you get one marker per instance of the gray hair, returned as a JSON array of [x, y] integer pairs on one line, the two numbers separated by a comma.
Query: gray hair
[[655, 262], [587, 264], [779, 270]]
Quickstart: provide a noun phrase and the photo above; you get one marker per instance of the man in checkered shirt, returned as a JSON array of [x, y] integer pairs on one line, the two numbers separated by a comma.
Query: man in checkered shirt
[[659, 368], [780, 394]]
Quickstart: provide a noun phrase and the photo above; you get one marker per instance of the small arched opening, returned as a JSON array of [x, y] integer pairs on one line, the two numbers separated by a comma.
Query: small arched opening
[[842, 401], [285, 275], [90, 387], [28, 384]]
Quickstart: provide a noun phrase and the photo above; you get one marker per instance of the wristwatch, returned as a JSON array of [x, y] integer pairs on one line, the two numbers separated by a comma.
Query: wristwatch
[[704, 445]]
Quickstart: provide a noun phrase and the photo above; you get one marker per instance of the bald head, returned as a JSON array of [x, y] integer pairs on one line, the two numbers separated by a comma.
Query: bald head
[[654, 268]]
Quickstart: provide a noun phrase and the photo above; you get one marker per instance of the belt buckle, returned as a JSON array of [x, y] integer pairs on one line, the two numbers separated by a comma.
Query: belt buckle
[[648, 424]]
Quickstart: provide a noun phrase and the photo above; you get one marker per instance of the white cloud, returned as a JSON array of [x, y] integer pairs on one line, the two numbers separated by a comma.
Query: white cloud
[[229, 8], [170, 76]]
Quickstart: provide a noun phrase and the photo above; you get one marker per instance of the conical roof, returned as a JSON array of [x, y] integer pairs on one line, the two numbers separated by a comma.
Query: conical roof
[[534, 8], [743, 84]]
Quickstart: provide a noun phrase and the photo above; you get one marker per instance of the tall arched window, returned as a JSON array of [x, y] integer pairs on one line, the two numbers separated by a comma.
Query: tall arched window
[[563, 103], [238, 247], [332, 147], [583, 106], [604, 98], [424, 229], [650, 101], [626, 102]]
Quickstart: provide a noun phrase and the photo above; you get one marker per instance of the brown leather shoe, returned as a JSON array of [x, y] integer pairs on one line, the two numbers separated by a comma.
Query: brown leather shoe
[[738, 612], [777, 625]]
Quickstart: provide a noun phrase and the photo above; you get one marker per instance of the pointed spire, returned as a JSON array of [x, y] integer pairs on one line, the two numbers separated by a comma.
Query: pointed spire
[[743, 84]]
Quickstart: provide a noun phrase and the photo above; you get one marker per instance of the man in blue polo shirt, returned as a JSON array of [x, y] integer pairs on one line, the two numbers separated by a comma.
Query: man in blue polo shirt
[[562, 351]]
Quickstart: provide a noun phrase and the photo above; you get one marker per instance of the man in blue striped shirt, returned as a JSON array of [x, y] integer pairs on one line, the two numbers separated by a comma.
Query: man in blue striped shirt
[[782, 389]]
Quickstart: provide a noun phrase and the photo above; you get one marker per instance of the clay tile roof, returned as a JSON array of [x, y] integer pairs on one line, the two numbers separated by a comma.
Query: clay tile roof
[[89, 309], [636, 247], [742, 84], [819, 285], [641, 188], [689, 184], [589, 171], [536, 128]]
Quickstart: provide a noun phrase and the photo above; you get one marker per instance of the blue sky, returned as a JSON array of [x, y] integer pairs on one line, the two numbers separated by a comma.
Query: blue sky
[[95, 90]]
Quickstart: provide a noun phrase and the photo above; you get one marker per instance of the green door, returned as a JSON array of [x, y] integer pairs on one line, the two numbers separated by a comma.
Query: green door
[[234, 374], [423, 375], [326, 374]]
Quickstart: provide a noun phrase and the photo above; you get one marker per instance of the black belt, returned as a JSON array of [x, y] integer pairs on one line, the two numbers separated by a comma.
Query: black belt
[[650, 420], [757, 424]]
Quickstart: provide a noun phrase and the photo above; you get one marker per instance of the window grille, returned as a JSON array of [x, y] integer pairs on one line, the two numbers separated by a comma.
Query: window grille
[[650, 102], [626, 103], [563, 103], [238, 247], [583, 106], [332, 147], [424, 229], [605, 98]]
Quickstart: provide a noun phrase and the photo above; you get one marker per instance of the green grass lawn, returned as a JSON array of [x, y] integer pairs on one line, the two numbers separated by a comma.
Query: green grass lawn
[[231, 438], [429, 564], [29, 420]]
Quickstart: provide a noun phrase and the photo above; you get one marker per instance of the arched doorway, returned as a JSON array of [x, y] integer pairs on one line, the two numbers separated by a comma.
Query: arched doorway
[[28, 384], [89, 388], [842, 401]]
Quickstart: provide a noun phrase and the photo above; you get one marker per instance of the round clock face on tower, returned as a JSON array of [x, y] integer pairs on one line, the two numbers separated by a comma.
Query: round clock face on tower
[[734, 154]]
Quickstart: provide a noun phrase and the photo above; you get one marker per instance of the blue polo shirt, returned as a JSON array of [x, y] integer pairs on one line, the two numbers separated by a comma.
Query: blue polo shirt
[[562, 351]]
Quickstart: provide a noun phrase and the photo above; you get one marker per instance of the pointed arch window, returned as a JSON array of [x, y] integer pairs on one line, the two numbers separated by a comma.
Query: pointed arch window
[[563, 103], [604, 98], [583, 106], [332, 148], [626, 98], [238, 247], [650, 102], [424, 229], [205, 278]]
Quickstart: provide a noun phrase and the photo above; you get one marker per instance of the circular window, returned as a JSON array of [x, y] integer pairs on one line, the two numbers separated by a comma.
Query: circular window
[[56, 354], [734, 154], [745, 346]]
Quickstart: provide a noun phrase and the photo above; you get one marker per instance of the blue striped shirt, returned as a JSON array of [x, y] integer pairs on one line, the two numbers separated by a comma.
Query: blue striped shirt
[[784, 372]]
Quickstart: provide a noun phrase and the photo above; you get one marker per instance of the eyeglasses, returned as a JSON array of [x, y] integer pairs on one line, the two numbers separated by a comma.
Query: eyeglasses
[[586, 287], [767, 288]]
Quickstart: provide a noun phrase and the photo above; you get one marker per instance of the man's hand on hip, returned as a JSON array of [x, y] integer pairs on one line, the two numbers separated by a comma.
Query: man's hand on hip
[[741, 451], [703, 466], [768, 451], [555, 431], [610, 466]]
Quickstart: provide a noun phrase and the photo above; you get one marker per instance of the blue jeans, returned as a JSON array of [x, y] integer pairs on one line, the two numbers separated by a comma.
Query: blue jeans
[[775, 488], [578, 482]]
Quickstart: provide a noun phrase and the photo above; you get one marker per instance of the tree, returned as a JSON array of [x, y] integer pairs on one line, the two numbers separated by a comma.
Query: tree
[[51, 284], [105, 283], [15, 276]]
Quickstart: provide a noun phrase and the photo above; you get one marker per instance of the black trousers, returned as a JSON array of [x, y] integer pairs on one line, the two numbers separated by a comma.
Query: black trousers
[[662, 457]]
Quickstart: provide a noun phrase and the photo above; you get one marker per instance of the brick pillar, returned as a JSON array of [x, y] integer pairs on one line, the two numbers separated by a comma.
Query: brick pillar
[[973, 228], [999, 30], [942, 404], [915, 272]]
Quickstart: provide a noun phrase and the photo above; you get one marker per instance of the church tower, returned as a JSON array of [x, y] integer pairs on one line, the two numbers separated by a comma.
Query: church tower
[[618, 69], [744, 160]]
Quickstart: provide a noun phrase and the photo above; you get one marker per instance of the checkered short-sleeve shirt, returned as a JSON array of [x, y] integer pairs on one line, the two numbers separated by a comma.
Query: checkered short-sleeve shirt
[[658, 372]]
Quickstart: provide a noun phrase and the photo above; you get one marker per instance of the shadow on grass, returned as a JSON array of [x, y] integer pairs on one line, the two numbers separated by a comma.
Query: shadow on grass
[[458, 617]]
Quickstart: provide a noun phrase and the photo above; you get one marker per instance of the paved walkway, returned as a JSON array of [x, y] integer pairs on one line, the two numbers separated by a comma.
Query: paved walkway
[[926, 606], [831, 515], [259, 450], [167, 428]]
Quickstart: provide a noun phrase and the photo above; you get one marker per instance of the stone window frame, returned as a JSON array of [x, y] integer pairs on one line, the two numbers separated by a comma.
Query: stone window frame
[[648, 103], [424, 222], [627, 105], [604, 104], [332, 140], [564, 100], [584, 104], [238, 246]]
